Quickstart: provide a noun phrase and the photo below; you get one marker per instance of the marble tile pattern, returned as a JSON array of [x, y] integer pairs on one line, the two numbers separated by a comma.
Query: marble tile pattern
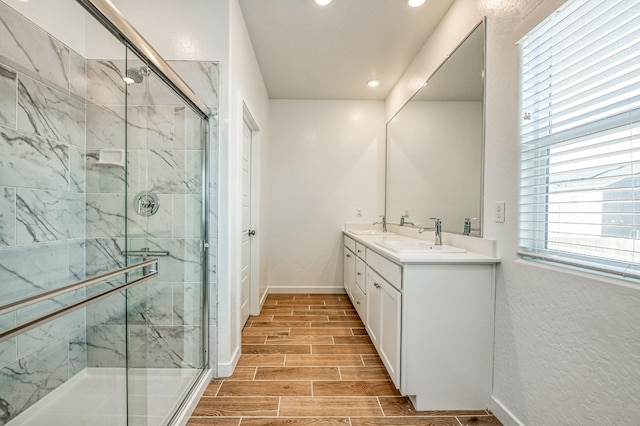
[[42, 207], [8, 94], [32, 51], [164, 156], [204, 79], [49, 216], [50, 113]]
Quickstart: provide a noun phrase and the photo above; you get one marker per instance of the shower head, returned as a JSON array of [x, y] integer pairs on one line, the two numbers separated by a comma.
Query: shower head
[[136, 75]]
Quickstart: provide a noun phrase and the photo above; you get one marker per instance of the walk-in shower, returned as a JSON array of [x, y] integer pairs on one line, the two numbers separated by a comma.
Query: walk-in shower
[[105, 172]]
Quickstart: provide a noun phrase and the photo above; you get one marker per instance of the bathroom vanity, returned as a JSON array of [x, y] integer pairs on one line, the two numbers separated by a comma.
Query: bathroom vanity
[[429, 312]]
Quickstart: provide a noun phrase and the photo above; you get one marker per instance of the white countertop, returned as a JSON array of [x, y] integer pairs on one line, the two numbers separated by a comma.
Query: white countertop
[[370, 241]]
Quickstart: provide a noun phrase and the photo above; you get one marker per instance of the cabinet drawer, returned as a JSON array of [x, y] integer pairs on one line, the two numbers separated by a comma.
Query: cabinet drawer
[[389, 270], [361, 269], [350, 244], [360, 250]]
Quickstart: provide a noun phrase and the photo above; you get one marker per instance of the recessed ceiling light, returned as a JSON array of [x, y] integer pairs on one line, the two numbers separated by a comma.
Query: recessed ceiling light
[[415, 3], [373, 83], [322, 2]]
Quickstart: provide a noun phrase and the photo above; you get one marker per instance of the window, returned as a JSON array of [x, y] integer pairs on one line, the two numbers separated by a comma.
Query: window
[[580, 137]]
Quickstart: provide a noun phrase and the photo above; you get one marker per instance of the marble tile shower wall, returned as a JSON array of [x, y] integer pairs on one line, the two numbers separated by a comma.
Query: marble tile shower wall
[[42, 206], [164, 156]]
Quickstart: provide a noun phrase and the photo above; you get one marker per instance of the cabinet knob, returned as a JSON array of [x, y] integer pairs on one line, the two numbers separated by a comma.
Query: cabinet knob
[[348, 255], [359, 251], [376, 285], [358, 273], [357, 303]]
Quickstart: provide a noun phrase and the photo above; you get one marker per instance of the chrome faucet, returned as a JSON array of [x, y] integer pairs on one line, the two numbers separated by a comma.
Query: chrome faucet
[[383, 222], [467, 226], [404, 222], [438, 228]]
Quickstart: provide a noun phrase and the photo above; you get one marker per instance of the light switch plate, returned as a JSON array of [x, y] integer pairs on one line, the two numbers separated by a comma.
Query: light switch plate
[[499, 211]]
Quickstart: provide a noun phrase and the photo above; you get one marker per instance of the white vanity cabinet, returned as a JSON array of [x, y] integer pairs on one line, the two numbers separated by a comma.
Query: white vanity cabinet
[[431, 321]]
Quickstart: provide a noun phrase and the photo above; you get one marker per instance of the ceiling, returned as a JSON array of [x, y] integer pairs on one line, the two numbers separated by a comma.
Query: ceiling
[[306, 51]]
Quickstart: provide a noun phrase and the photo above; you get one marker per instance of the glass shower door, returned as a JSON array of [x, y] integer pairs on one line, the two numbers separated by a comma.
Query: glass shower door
[[164, 219], [96, 172]]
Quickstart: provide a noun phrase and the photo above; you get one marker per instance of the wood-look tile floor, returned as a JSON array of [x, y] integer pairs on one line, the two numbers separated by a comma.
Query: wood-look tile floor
[[307, 360]]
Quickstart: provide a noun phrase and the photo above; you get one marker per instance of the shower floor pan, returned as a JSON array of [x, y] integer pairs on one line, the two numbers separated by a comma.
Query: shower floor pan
[[97, 397]]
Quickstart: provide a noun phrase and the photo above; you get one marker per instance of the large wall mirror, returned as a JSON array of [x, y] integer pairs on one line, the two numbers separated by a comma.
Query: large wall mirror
[[435, 145]]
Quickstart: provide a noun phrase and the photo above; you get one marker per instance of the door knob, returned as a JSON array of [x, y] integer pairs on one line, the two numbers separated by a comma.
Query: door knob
[[252, 232]]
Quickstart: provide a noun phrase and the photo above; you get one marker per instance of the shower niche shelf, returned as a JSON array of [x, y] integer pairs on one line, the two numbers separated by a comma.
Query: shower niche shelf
[[111, 157]]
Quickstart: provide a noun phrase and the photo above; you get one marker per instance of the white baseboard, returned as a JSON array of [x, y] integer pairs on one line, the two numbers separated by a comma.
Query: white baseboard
[[506, 417], [183, 416], [264, 298], [306, 290], [226, 369]]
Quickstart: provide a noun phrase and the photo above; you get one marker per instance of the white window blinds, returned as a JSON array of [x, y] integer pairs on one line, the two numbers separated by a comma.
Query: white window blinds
[[580, 137]]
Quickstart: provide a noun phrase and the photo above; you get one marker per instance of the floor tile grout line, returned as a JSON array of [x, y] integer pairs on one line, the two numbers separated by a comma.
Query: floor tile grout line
[[380, 405]]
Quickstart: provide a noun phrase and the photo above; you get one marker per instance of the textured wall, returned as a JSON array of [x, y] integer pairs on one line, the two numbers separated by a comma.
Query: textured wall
[[567, 346]]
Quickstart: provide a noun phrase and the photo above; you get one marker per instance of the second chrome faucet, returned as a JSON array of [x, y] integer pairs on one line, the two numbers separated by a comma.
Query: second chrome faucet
[[404, 221], [383, 222], [437, 228]]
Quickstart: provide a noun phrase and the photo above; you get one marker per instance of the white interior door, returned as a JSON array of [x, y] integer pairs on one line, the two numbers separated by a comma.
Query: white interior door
[[245, 293]]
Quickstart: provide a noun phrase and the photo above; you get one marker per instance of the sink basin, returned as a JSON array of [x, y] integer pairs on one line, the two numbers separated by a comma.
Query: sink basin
[[421, 247], [369, 232]]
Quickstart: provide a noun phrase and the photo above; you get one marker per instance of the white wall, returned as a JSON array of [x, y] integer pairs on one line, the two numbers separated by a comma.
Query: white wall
[[567, 346], [326, 160], [246, 87]]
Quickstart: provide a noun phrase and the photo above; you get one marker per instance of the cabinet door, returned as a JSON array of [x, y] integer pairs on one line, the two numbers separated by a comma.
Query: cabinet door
[[373, 307], [389, 346], [349, 271]]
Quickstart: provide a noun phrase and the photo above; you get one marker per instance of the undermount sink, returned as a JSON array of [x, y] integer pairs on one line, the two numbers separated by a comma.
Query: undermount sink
[[369, 232], [422, 247]]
